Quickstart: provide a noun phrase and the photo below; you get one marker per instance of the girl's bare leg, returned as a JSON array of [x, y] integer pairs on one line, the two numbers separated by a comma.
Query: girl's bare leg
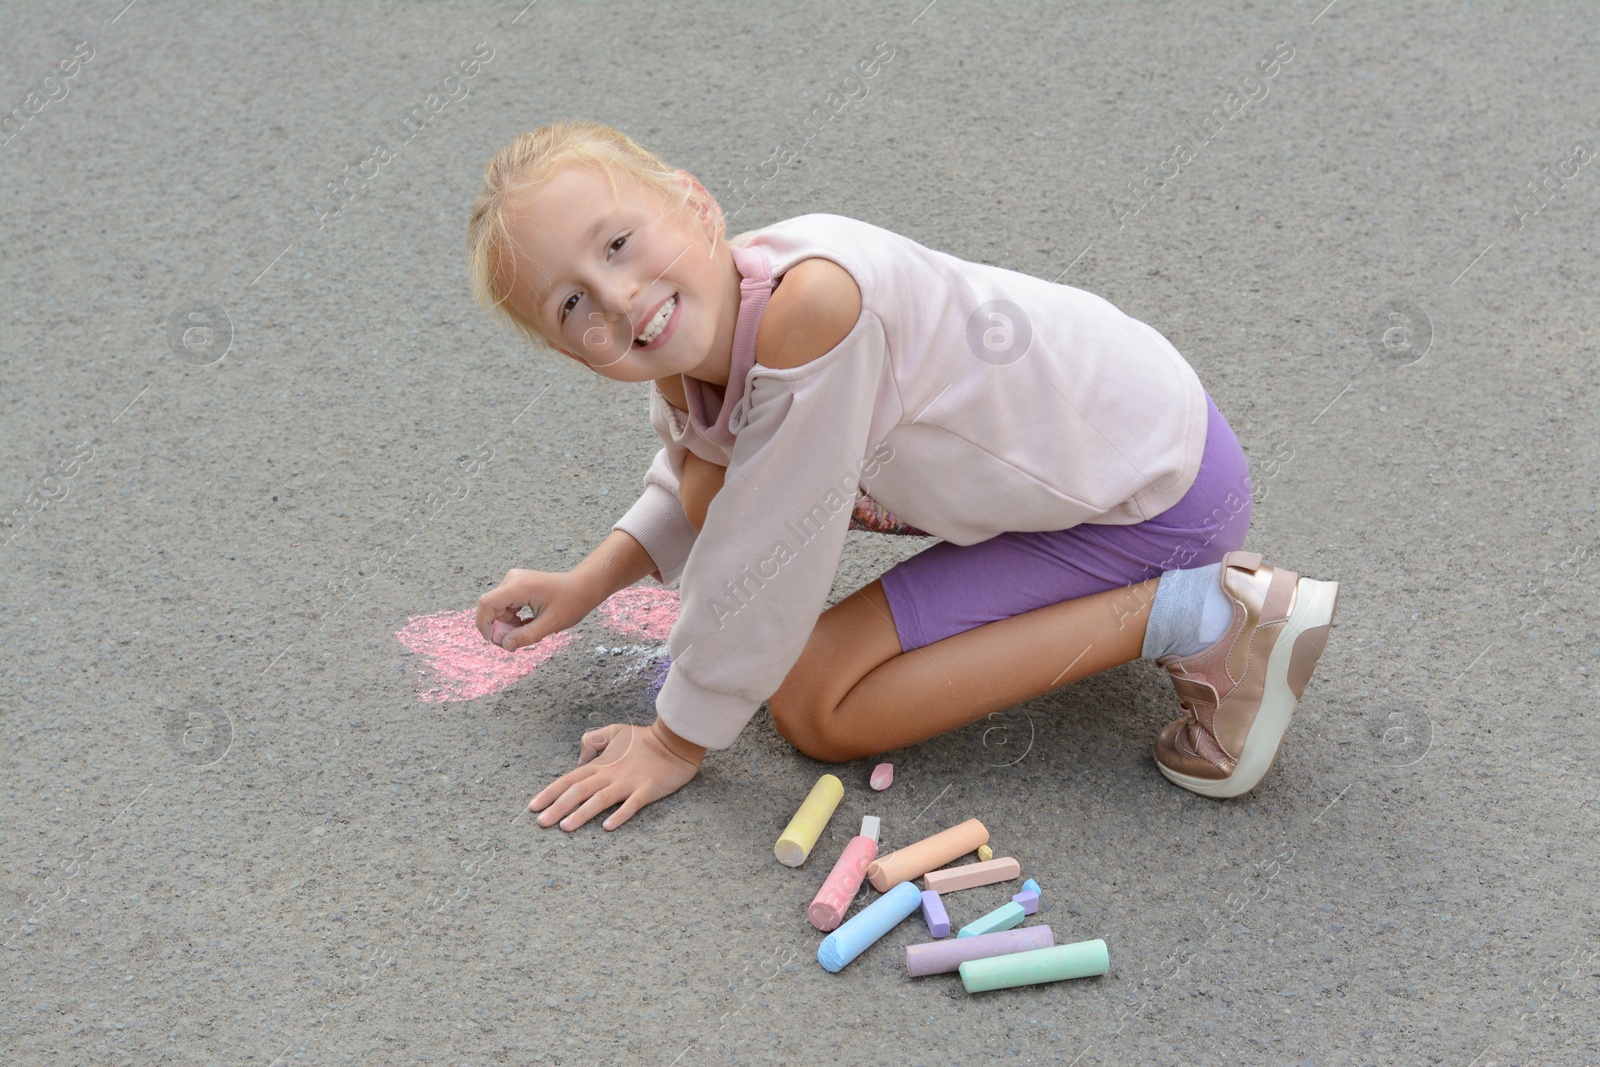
[[853, 692]]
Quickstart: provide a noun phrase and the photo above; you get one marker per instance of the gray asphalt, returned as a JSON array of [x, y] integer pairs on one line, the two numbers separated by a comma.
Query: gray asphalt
[[233, 834]]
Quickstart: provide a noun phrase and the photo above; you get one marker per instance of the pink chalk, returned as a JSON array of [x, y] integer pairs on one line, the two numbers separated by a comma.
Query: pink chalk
[[968, 875], [1029, 899], [833, 899], [934, 915], [882, 776], [458, 664], [640, 611], [498, 631]]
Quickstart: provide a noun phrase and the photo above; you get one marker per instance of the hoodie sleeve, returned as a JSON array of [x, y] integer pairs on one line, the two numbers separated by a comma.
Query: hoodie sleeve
[[760, 573], [657, 520]]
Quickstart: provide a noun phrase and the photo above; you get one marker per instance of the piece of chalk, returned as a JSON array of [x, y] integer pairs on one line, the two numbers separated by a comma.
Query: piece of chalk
[[867, 925], [1029, 883], [949, 879], [882, 776], [985, 853], [498, 631], [943, 957], [916, 860], [1002, 918], [1083, 959], [933, 914], [1029, 899], [794, 844], [833, 899], [869, 827]]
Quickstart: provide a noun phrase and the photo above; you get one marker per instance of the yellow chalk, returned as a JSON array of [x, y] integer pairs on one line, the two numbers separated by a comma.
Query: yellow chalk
[[794, 844], [985, 853]]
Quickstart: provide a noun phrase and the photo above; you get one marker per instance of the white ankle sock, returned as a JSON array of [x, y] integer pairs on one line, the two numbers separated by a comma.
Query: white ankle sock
[[1190, 613]]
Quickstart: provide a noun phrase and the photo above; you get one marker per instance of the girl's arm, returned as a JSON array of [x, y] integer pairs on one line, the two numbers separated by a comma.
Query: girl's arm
[[616, 563]]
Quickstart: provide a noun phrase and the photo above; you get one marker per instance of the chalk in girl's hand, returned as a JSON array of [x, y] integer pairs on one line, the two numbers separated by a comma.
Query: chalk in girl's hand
[[833, 899], [867, 925], [1002, 918], [882, 776], [985, 853], [794, 844], [498, 631], [933, 914], [942, 957], [1085, 959], [1029, 899], [989, 872], [916, 860]]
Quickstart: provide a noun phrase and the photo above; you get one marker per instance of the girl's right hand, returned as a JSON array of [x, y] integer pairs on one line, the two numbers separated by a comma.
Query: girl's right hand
[[557, 600]]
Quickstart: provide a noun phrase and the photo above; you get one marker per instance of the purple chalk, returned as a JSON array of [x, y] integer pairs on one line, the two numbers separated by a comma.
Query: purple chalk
[[934, 915], [1029, 899], [945, 957]]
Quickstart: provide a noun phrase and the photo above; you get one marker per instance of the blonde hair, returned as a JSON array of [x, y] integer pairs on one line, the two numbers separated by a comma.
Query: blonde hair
[[528, 162]]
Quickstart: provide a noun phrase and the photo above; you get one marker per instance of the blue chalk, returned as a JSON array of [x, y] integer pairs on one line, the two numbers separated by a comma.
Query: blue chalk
[[867, 925], [1030, 884], [934, 915]]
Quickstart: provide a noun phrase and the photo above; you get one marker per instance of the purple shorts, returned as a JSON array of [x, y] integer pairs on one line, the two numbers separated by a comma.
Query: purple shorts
[[948, 589]]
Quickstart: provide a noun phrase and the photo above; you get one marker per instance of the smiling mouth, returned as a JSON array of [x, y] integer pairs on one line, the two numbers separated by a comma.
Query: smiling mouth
[[658, 323]]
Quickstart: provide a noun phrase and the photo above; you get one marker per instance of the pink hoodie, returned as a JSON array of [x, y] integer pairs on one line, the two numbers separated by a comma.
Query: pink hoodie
[[969, 400]]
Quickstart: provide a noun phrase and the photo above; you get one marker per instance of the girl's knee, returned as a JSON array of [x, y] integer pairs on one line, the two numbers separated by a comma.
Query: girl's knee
[[806, 727]]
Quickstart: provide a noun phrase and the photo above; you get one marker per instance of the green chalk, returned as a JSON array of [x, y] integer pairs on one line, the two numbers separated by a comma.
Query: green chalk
[[1002, 918], [1084, 959]]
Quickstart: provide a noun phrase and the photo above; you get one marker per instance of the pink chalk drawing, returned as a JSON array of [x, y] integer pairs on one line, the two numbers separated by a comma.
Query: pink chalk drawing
[[640, 611], [458, 664]]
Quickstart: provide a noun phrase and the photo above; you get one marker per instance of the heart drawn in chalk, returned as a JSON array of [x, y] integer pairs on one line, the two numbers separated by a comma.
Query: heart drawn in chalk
[[458, 664]]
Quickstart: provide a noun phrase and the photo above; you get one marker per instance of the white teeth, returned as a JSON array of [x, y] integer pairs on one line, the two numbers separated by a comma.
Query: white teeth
[[658, 323]]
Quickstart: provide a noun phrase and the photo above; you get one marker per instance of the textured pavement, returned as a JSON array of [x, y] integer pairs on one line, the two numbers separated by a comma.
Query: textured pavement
[[252, 431]]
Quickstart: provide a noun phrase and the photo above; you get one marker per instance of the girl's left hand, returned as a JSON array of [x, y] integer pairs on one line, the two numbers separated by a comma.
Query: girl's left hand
[[633, 765]]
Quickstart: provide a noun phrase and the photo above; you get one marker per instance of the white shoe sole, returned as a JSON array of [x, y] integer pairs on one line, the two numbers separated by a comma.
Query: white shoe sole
[[1314, 604]]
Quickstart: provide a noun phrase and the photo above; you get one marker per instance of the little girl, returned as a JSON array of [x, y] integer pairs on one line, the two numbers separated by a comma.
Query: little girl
[[822, 374]]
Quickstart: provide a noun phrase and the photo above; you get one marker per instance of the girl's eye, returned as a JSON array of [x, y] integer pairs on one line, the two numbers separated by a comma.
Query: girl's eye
[[622, 239]]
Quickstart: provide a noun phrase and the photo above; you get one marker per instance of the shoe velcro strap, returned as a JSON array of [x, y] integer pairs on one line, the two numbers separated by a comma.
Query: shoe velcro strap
[[1194, 691], [1206, 747], [1280, 595], [1250, 561]]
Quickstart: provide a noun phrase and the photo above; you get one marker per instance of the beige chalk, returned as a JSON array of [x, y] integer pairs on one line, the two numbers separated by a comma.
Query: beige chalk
[[985, 853], [972, 874], [916, 860]]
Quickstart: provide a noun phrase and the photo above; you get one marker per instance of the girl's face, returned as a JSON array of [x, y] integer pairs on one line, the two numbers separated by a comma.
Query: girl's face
[[594, 273]]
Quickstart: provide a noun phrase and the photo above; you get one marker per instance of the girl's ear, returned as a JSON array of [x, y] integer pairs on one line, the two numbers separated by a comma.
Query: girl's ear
[[705, 205]]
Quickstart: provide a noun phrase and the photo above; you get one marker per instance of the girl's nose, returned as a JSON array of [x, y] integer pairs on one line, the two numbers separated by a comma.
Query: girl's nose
[[617, 299]]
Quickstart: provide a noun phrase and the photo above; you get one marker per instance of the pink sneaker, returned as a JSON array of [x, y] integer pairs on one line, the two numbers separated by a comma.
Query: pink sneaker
[[1238, 695]]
